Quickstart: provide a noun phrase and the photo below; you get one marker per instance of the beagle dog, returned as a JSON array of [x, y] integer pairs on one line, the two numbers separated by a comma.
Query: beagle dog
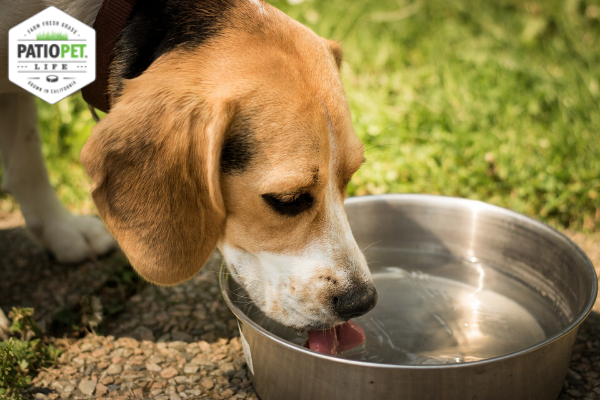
[[229, 128]]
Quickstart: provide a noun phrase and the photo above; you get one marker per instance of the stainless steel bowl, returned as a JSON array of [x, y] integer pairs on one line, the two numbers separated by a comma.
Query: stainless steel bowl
[[477, 246]]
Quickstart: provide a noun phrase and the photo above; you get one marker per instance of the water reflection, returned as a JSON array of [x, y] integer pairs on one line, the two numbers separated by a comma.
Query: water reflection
[[436, 310]]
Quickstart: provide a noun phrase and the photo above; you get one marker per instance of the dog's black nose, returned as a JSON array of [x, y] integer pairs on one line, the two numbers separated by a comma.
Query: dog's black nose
[[359, 300]]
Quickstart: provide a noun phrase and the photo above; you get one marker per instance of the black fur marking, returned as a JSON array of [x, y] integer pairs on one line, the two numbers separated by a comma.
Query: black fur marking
[[239, 147], [159, 26]]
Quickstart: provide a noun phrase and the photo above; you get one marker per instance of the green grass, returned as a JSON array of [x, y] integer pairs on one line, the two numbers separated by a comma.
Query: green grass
[[52, 36], [21, 358], [490, 100]]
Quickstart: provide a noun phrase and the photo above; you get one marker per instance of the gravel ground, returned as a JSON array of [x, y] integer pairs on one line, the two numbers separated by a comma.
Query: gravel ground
[[172, 343]]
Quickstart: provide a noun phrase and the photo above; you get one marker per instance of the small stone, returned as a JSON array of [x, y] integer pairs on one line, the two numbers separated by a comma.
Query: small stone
[[191, 368], [241, 374], [584, 366], [129, 343], [63, 386], [221, 380], [170, 353], [40, 396], [169, 372], [574, 392], [227, 368], [99, 353], [170, 390], [70, 370], [181, 378], [87, 386], [132, 375], [86, 347], [107, 380], [573, 375], [177, 344], [101, 390], [78, 361], [205, 347], [156, 359], [112, 388], [153, 367], [227, 393], [207, 383], [114, 369], [137, 367], [201, 359]]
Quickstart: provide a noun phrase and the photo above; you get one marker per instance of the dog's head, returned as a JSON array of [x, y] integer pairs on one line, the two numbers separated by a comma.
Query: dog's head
[[244, 143]]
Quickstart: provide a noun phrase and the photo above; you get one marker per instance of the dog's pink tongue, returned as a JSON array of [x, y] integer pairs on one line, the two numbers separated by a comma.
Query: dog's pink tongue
[[325, 342], [349, 335], [336, 340]]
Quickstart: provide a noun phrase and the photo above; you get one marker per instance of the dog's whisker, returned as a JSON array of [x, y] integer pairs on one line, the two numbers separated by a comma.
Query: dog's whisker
[[382, 145], [251, 278], [388, 127], [243, 276], [378, 241]]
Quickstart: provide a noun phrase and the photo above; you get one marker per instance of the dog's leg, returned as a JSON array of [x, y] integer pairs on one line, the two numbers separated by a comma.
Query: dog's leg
[[69, 238], [4, 326]]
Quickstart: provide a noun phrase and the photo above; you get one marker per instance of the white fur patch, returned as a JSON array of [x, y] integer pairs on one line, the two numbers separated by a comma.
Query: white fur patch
[[279, 283], [258, 4]]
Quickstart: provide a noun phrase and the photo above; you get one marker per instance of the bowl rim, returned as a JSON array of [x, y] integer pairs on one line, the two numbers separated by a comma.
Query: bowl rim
[[240, 315]]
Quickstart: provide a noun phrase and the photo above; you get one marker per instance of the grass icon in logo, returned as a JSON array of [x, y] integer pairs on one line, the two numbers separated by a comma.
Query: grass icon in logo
[[52, 36], [52, 55]]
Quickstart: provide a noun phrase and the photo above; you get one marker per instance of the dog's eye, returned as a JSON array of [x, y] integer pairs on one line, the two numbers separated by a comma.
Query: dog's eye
[[289, 204]]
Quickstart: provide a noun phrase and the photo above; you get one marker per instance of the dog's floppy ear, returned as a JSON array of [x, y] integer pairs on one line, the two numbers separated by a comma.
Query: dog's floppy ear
[[154, 164], [336, 50]]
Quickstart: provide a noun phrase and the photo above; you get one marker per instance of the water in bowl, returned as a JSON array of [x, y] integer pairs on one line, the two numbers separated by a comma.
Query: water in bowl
[[437, 309]]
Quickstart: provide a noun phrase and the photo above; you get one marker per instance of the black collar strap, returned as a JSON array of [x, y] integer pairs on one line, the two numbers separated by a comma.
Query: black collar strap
[[111, 20]]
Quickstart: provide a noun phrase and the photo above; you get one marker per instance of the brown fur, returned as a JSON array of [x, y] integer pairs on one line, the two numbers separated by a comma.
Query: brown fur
[[154, 159], [156, 180]]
